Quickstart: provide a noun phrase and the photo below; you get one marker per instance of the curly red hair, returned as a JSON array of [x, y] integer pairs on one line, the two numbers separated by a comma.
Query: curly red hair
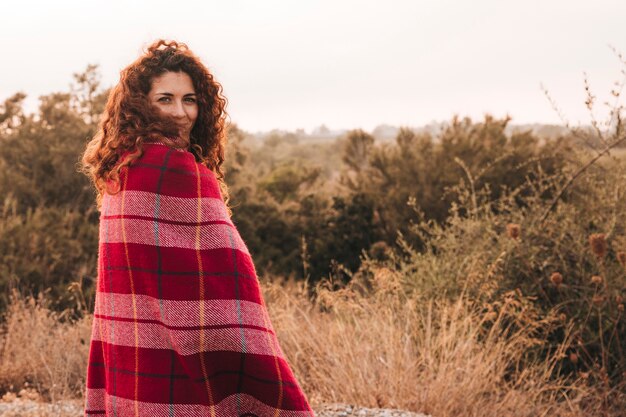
[[129, 119]]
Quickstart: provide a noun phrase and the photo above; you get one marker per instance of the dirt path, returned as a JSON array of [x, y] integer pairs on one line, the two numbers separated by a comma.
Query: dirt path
[[23, 407]]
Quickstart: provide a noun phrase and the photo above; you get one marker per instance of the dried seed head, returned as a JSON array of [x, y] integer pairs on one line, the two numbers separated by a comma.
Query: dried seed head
[[597, 299], [619, 299], [573, 357], [596, 279], [562, 317], [598, 244], [621, 258], [620, 308], [513, 230], [556, 278]]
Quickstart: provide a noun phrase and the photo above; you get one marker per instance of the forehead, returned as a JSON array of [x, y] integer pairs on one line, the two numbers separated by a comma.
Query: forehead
[[172, 82]]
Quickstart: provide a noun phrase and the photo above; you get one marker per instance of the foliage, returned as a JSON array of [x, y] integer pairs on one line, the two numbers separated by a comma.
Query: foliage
[[423, 169], [48, 229], [571, 267], [47, 249], [324, 202]]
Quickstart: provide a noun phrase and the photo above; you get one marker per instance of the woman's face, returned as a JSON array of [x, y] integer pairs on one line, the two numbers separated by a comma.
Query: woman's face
[[173, 94]]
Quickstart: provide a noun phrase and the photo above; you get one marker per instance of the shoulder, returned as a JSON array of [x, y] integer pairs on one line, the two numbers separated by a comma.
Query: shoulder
[[162, 169], [161, 154]]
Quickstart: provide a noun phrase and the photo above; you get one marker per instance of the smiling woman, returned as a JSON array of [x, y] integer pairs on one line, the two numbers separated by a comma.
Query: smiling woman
[[174, 95], [180, 324]]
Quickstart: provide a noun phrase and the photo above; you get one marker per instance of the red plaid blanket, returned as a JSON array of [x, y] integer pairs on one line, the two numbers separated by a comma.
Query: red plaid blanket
[[180, 326]]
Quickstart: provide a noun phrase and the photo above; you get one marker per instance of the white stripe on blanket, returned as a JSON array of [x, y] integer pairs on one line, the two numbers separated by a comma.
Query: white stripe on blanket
[[212, 236], [181, 313], [142, 203]]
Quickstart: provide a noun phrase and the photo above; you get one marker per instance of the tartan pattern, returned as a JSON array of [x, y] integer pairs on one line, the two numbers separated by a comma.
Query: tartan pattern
[[180, 326]]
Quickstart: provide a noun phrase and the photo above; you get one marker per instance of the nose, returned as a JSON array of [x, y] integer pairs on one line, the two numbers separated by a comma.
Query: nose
[[178, 110]]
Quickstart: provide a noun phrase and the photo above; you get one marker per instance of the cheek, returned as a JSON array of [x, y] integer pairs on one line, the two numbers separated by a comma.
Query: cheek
[[160, 108]]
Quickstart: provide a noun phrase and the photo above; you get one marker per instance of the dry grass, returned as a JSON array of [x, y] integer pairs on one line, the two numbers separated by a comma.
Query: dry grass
[[385, 349], [375, 348], [41, 349]]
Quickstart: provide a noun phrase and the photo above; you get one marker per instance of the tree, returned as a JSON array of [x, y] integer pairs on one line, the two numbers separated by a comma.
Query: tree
[[11, 114], [425, 170], [88, 99]]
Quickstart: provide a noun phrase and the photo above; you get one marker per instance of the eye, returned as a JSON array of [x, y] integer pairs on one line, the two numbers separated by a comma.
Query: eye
[[164, 99], [190, 99]]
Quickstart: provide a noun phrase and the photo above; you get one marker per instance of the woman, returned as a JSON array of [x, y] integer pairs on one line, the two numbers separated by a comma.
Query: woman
[[180, 325]]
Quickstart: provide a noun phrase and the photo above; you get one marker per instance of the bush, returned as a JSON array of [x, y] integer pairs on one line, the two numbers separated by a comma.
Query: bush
[[47, 249], [569, 266]]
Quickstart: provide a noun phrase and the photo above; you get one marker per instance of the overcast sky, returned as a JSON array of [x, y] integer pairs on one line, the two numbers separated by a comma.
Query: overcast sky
[[346, 63]]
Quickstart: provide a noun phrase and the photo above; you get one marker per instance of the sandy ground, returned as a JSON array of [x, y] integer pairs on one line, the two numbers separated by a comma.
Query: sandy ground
[[28, 404]]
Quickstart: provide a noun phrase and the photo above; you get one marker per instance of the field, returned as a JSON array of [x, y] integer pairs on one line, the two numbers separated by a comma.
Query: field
[[478, 271]]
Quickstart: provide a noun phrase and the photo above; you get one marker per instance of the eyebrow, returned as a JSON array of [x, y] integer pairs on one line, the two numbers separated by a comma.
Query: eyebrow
[[170, 94]]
